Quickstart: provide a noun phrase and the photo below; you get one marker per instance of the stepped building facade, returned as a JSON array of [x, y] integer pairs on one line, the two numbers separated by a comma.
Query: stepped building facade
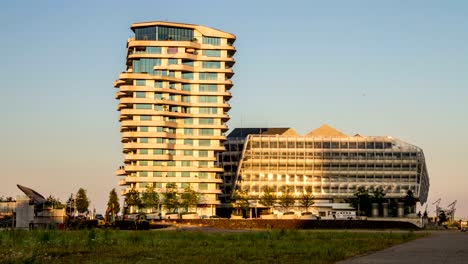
[[325, 161], [173, 104]]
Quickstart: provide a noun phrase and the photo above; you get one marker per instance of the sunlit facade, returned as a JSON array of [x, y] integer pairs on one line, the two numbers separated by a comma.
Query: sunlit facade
[[173, 104], [330, 164]]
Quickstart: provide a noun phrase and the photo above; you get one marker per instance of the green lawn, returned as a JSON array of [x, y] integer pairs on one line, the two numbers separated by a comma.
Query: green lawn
[[114, 246]]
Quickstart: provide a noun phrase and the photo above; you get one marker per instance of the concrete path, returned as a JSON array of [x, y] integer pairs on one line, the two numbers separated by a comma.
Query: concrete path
[[440, 247]]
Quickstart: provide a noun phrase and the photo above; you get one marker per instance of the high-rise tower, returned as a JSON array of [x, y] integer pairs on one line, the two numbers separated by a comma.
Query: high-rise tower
[[173, 103]]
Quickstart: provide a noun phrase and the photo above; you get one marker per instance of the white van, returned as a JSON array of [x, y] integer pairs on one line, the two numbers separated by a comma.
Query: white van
[[343, 215]]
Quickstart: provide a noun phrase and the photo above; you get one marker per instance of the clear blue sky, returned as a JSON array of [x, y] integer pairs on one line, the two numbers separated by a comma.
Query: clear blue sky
[[395, 68]]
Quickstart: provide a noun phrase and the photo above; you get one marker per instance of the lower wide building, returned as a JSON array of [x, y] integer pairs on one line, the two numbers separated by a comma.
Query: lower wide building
[[326, 162]]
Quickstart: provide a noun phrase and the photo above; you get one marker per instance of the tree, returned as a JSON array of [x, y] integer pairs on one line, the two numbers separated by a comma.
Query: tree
[[361, 201], [81, 201], [150, 198], [307, 198], [442, 218], [53, 202], [171, 199], [287, 199], [70, 205], [268, 198], [378, 195], [113, 205], [409, 201], [189, 198], [132, 199], [240, 200]]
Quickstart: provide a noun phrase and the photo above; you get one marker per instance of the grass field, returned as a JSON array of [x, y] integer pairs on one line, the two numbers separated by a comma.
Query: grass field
[[114, 246]]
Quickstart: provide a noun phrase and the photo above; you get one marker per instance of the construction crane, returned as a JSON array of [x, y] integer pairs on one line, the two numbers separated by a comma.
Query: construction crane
[[437, 207], [450, 211]]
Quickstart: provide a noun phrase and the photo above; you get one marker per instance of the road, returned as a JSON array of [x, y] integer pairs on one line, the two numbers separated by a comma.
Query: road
[[440, 247]]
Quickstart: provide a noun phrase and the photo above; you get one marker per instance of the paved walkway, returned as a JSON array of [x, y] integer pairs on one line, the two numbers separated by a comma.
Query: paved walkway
[[440, 247]]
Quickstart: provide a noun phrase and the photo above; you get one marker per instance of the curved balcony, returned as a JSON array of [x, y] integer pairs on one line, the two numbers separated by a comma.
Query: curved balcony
[[135, 123], [134, 145], [120, 172]]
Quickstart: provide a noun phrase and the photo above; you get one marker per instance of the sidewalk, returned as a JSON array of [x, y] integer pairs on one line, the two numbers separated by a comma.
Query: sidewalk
[[440, 247]]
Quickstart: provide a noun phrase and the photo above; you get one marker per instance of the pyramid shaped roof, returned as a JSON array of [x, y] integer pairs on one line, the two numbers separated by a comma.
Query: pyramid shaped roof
[[325, 131]]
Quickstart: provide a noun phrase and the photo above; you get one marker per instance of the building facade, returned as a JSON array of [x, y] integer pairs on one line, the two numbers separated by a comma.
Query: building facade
[[331, 165], [173, 103]]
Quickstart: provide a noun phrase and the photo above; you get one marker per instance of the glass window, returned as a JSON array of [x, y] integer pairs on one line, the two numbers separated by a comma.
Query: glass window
[[211, 64], [172, 141], [171, 163], [146, 65], [208, 76], [185, 185], [143, 106], [171, 174], [188, 121], [203, 186], [203, 175], [140, 94], [158, 96], [186, 163], [186, 87], [163, 33], [202, 164], [158, 184], [187, 62], [208, 99], [158, 84], [144, 129], [157, 174], [172, 61], [212, 40], [143, 151], [188, 152], [185, 174], [145, 118], [153, 50], [143, 173], [140, 82], [160, 72], [205, 132], [208, 88], [143, 163], [188, 131], [172, 50], [160, 129], [185, 98], [208, 110], [158, 151], [211, 53], [143, 140], [204, 142], [187, 75], [158, 107], [160, 140], [205, 121], [188, 142], [203, 153]]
